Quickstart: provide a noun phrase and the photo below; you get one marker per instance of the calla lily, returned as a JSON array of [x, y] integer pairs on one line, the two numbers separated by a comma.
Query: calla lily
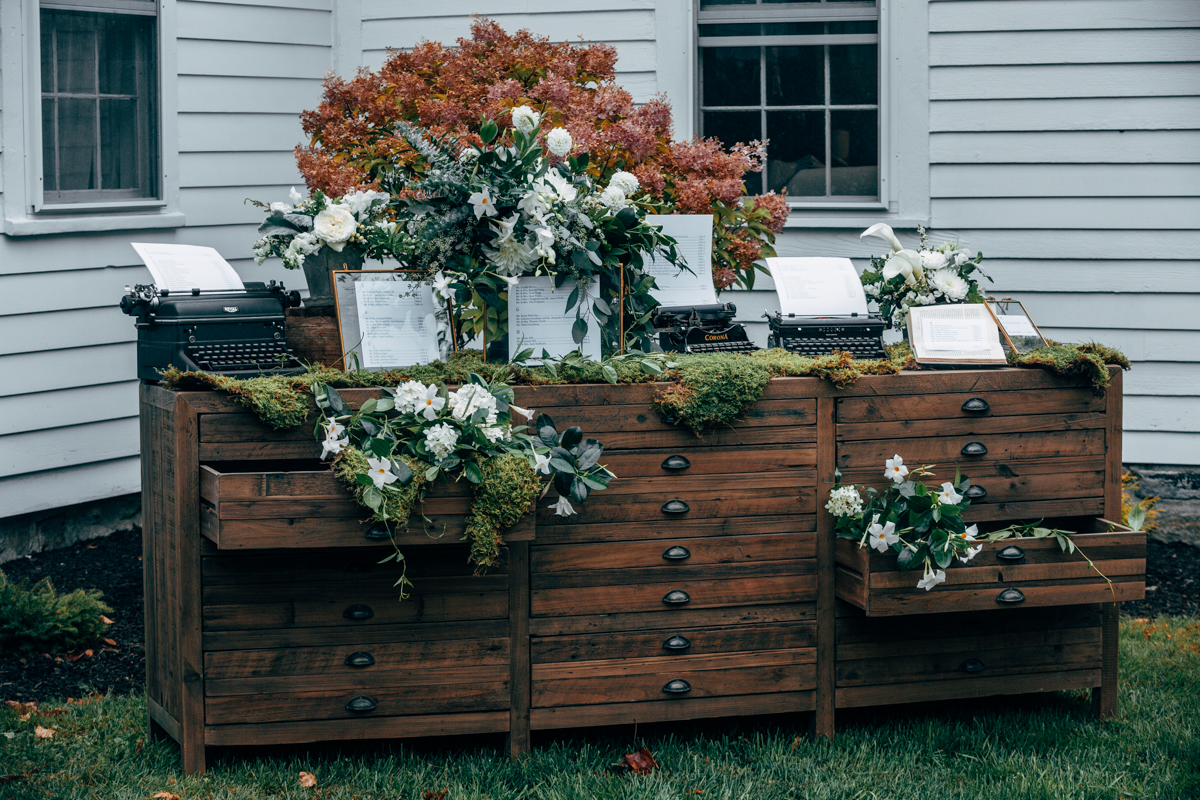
[[883, 231], [906, 263]]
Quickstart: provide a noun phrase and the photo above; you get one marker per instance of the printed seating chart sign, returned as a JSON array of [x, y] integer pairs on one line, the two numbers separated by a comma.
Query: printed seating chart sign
[[385, 320], [678, 287], [537, 319]]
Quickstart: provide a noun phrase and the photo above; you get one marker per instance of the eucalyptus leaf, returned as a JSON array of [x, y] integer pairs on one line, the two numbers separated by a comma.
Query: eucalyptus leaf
[[579, 330]]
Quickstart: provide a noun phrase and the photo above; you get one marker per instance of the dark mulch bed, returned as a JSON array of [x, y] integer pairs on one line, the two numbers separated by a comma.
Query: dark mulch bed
[[113, 565]]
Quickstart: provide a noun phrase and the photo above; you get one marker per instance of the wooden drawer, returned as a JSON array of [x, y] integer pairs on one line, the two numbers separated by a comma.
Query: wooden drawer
[[966, 655], [247, 508], [947, 451], [673, 642], [325, 566], [1042, 575], [676, 552], [658, 463], [653, 589], [873, 410], [635, 680]]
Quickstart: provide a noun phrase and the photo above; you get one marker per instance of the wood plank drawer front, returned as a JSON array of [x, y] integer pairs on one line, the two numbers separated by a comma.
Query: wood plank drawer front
[[947, 451], [968, 657], [673, 642], [667, 589], [677, 552], [981, 426], [361, 666], [323, 566], [795, 495], [366, 602], [901, 408], [646, 679], [1035, 573], [667, 529], [487, 690], [724, 461]]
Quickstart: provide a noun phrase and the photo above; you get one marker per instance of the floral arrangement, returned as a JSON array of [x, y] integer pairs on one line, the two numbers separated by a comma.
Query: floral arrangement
[[921, 277], [923, 524], [451, 91], [392, 448], [361, 220], [483, 216]]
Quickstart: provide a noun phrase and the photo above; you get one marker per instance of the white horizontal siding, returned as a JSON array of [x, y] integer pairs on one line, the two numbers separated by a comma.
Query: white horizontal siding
[[83, 483], [1066, 147], [1063, 47], [1066, 180]]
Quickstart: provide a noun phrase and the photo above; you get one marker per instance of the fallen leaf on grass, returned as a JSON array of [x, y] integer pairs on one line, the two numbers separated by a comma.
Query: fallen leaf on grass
[[105, 620], [43, 733], [24, 776], [76, 656], [308, 780], [23, 709], [639, 763], [164, 796], [796, 742], [110, 642], [431, 795]]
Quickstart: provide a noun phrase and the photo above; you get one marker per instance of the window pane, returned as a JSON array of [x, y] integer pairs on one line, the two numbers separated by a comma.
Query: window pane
[[732, 127], [47, 52], [118, 44], [731, 76], [854, 142], [118, 144], [853, 75], [77, 143], [793, 28], [730, 29], [854, 27], [49, 168], [76, 52], [796, 153], [795, 76]]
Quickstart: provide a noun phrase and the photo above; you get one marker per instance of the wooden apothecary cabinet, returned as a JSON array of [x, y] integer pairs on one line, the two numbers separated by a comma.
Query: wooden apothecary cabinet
[[704, 582]]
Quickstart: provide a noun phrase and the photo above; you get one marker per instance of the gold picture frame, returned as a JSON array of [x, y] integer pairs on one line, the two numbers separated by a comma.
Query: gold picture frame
[[1014, 343], [341, 300]]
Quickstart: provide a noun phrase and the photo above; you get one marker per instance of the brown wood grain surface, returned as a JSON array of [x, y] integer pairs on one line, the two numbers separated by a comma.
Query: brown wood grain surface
[[681, 619], [665, 529], [353, 636], [1049, 680], [699, 641], [370, 727], [259, 568], [948, 406], [727, 461], [683, 708], [945, 451], [1052, 593], [855, 628], [969, 426], [706, 550], [1066, 485], [602, 507], [649, 596]]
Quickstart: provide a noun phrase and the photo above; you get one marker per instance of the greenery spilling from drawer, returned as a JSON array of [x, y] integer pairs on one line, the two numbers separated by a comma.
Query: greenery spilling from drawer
[[38, 619], [705, 391]]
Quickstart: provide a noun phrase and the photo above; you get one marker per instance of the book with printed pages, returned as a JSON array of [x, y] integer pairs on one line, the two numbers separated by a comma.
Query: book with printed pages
[[954, 335]]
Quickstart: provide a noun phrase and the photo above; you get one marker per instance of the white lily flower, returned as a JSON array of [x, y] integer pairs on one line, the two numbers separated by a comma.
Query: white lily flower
[[511, 280], [895, 469], [932, 579], [882, 536], [947, 496], [883, 231], [429, 403], [381, 472], [504, 229], [541, 463], [482, 204], [971, 553], [563, 507]]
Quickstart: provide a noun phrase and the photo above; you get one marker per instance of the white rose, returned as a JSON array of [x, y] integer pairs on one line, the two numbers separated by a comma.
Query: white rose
[[559, 142], [525, 119], [627, 182], [334, 226]]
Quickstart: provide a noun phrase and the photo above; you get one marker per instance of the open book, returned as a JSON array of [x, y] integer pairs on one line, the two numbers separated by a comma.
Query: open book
[[951, 335]]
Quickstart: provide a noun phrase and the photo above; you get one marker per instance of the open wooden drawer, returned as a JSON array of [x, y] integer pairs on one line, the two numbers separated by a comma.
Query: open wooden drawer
[[258, 505], [1015, 573]]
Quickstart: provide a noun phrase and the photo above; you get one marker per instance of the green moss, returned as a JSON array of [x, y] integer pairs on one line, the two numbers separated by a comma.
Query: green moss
[[398, 501], [712, 390], [509, 486], [1083, 360], [280, 401], [840, 369]]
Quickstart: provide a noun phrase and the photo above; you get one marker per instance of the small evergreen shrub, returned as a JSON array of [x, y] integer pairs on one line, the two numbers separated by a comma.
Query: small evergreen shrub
[[39, 620]]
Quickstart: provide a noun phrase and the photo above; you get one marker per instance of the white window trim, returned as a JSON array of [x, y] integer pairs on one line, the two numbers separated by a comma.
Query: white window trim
[[903, 113], [21, 122]]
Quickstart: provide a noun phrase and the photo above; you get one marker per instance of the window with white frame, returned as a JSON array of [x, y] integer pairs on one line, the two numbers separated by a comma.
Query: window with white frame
[[805, 76], [99, 101]]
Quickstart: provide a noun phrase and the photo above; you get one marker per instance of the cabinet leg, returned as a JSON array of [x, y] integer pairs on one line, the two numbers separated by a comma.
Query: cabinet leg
[[156, 732], [1104, 696], [193, 758]]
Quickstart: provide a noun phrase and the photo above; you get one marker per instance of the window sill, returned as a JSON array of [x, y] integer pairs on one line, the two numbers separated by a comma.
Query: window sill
[[860, 217], [91, 223]]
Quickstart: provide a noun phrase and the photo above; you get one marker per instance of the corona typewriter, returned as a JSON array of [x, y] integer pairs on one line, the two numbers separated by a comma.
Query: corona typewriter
[[861, 337], [235, 333], [701, 329]]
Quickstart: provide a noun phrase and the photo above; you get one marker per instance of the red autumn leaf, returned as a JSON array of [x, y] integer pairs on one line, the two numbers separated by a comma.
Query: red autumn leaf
[[111, 642], [641, 762], [432, 795]]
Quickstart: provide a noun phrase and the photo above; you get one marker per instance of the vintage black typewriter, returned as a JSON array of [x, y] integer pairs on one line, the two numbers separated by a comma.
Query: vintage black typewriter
[[861, 337], [235, 333], [701, 329]]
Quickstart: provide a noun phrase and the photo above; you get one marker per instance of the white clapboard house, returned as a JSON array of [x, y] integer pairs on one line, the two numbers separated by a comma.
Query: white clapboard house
[[1060, 137]]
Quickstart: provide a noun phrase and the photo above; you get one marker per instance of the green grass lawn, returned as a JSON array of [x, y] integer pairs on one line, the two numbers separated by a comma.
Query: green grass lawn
[[1031, 747]]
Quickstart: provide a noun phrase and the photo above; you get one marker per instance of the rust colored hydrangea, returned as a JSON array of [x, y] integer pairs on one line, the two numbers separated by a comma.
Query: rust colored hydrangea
[[451, 90]]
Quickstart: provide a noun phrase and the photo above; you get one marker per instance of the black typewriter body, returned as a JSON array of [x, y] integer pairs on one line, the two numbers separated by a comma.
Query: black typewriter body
[[861, 337], [239, 334], [701, 329]]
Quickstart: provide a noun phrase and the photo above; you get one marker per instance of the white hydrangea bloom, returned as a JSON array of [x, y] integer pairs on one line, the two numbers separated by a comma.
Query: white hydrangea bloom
[[441, 440], [559, 142], [627, 182], [469, 399], [950, 283], [262, 251], [844, 501], [409, 396], [496, 433]]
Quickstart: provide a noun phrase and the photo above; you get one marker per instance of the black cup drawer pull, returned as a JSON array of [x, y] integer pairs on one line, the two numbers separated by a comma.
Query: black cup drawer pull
[[1010, 597], [360, 660], [677, 642], [676, 597], [677, 686], [677, 553], [358, 611], [976, 405], [1011, 553], [360, 704], [974, 449], [675, 507], [972, 665], [378, 531], [675, 462], [975, 492]]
